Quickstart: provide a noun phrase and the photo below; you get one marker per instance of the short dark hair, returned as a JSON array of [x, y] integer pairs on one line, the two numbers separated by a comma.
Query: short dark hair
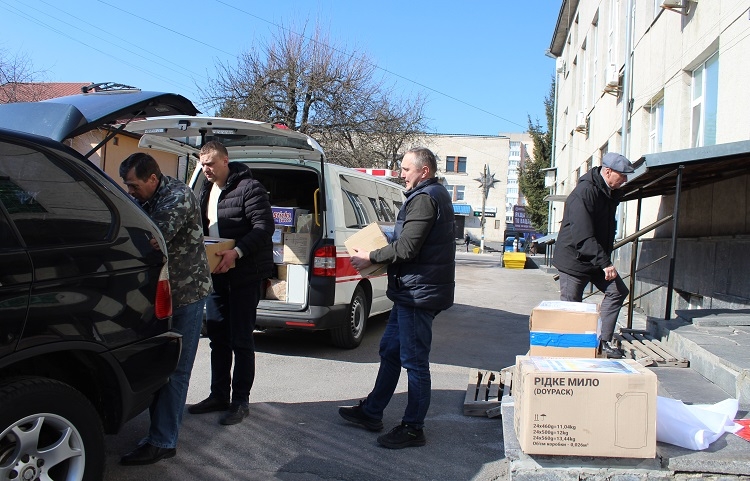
[[424, 156], [144, 165], [214, 146]]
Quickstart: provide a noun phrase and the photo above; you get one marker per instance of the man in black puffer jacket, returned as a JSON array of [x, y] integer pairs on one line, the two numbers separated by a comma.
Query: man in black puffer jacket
[[234, 206], [584, 243], [421, 282]]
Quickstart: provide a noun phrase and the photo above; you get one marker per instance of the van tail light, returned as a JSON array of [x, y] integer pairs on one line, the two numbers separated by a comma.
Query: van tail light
[[324, 261], [163, 303]]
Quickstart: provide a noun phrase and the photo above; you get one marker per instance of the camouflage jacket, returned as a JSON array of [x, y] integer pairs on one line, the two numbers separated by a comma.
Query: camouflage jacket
[[175, 211]]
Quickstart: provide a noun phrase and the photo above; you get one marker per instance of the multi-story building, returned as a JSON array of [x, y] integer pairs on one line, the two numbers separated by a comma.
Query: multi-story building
[[662, 82], [461, 162]]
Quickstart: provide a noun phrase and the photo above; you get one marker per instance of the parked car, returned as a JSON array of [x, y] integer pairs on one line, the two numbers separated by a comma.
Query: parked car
[[85, 306], [315, 286]]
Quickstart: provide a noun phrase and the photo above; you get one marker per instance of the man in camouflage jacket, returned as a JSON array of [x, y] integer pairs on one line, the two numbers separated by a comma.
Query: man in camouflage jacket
[[174, 209]]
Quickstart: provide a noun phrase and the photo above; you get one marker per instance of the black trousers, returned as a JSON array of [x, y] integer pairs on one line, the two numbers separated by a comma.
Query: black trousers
[[230, 322]]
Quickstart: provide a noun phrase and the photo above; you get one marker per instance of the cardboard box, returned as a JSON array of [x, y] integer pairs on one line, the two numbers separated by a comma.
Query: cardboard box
[[372, 237], [585, 407], [287, 216], [214, 245], [276, 290], [564, 329], [281, 270], [297, 248]]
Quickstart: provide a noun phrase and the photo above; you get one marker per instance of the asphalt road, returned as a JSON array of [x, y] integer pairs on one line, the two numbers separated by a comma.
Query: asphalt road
[[294, 431]]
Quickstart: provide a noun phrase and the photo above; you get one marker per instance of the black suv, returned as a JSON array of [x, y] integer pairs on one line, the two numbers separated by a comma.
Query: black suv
[[85, 306]]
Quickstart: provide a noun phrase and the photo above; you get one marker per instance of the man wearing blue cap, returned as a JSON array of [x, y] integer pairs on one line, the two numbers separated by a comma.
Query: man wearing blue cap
[[584, 243]]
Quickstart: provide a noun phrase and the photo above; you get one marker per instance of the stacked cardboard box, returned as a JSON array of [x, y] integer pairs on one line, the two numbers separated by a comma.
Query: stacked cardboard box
[[564, 329], [585, 407]]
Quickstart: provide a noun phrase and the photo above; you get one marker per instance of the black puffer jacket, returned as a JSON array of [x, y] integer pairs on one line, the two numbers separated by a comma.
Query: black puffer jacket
[[245, 215], [587, 232]]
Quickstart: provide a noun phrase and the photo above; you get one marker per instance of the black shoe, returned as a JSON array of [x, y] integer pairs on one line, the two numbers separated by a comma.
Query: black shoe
[[609, 351], [354, 414], [208, 405], [237, 412], [147, 454], [403, 436]]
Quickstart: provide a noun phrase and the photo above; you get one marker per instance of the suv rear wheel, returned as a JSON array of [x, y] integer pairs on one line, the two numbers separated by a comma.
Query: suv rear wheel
[[49, 431], [350, 334]]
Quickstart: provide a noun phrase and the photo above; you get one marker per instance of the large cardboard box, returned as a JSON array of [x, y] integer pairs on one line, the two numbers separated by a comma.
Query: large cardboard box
[[585, 407], [297, 248], [372, 237], [214, 245], [564, 329]]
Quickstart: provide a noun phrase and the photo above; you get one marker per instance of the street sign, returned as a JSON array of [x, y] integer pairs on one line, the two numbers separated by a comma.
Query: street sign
[[520, 222]]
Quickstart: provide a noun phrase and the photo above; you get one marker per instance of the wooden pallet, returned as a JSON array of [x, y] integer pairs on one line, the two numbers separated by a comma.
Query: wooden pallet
[[482, 392], [485, 391], [648, 351]]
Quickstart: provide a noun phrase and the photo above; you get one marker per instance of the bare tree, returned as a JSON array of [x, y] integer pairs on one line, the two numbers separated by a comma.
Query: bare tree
[[321, 90], [19, 81]]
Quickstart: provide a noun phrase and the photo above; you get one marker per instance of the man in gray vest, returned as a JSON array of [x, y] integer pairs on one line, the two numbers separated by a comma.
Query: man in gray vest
[[421, 282]]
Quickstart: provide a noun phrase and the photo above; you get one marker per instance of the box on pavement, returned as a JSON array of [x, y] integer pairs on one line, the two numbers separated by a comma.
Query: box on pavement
[[585, 407], [372, 237], [564, 329], [214, 245]]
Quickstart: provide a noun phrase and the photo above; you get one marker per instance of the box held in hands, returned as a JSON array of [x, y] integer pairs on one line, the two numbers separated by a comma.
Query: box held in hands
[[564, 329], [372, 237], [214, 245], [585, 407]]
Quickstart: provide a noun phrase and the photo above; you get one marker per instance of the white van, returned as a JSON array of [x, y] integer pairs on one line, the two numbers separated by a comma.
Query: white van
[[316, 288]]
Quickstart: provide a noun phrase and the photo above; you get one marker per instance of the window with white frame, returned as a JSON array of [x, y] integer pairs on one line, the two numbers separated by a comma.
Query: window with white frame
[[455, 164], [584, 76], [594, 57], [460, 192], [656, 126], [705, 92], [614, 6]]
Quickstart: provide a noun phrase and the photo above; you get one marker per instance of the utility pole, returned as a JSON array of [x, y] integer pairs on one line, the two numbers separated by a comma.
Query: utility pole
[[486, 181]]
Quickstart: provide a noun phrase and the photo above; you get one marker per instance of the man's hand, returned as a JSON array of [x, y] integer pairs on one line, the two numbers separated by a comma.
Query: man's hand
[[227, 261], [361, 259], [610, 273]]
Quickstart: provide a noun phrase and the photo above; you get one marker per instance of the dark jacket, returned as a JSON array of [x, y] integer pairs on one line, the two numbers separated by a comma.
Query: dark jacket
[[174, 209], [587, 233], [427, 280], [244, 213]]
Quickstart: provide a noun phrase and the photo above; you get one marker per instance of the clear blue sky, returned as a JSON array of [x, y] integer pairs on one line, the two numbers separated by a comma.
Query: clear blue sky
[[481, 63]]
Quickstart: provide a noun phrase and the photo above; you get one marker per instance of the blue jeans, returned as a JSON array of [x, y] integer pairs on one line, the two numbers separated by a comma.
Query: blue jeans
[[167, 407], [615, 293], [406, 343], [230, 322]]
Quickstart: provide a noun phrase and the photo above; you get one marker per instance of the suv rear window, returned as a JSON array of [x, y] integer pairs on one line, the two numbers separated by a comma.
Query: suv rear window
[[48, 201]]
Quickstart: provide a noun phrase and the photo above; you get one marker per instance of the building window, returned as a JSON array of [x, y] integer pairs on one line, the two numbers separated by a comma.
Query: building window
[[656, 127], [704, 102], [459, 192], [614, 6], [455, 164], [594, 58]]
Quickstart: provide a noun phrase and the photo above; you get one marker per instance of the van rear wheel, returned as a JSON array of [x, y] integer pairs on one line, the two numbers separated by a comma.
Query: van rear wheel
[[350, 335]]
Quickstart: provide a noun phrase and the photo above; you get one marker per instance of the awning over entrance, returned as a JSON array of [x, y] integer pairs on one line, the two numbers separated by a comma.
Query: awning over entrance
[[702, 165], [462, 209], [547, 238]]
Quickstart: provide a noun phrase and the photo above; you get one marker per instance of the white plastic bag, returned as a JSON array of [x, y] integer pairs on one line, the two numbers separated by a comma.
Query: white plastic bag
[[694, 426]]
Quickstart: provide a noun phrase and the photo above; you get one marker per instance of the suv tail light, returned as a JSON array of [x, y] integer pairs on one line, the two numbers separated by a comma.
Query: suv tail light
[[324, 261], [163, 303]]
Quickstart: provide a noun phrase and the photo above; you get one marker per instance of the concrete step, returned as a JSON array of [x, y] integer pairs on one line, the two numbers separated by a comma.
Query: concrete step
[[720, 353]]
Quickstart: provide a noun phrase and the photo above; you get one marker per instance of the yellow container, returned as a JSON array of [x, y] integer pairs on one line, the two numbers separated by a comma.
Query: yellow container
[[475, 250], [514, 260]]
